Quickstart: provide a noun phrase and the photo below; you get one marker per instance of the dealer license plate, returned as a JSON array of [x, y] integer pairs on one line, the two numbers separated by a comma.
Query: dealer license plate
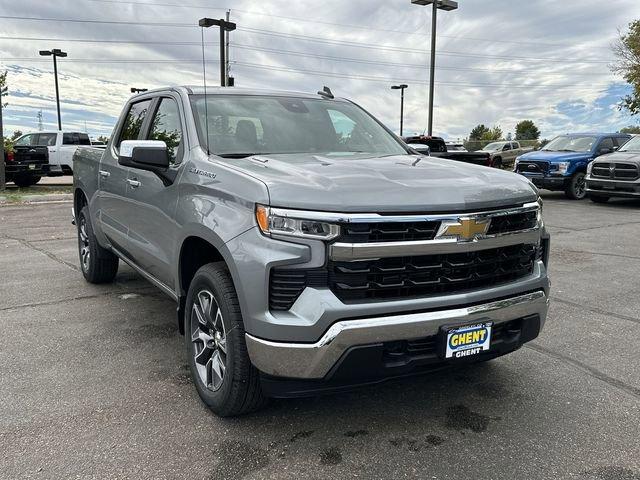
[[32, 167], [468, 340]]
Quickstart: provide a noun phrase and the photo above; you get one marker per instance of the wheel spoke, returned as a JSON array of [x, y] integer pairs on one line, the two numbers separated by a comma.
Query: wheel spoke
[[204, 355], [204, 302], [199, 315], [222, 345], [217, 321], [217, 369]]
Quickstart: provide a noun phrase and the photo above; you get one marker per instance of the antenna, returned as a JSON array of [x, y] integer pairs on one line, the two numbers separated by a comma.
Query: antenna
[[326, 92], [204, 82], [39, 120]]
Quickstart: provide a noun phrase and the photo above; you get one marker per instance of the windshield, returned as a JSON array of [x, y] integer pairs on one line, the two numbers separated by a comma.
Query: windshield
[[243, 125], [573, 143], [493, 146], [632, 145]]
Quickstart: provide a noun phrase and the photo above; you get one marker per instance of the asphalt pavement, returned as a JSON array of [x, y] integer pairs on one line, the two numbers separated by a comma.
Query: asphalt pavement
[[94, 380]]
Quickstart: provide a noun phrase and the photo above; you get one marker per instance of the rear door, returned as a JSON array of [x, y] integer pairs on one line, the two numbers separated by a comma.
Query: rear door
[[152, 205], [113, 179]]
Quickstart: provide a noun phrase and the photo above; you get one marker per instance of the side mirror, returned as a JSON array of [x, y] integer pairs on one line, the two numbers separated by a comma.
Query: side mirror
[[604, 150], [149, 155]]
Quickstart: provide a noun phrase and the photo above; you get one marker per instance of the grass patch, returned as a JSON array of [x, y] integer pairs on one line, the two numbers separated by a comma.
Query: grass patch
[[17, 195]]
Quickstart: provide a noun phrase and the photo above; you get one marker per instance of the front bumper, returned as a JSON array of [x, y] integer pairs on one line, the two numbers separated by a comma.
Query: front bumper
[[613, 188], [548, 182], [316, 360]]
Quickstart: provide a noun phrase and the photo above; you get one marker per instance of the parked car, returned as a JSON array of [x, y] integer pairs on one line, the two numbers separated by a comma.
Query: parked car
[[562, 163], [504, 153], [60, 145], [616, 174], [455, 147], [306, 248], [438, 148], [30, 159]]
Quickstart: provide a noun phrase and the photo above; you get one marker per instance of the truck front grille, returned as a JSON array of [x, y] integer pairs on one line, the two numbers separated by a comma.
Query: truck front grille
[[532, 166], [615, 171], [388, 231], [405, 277]]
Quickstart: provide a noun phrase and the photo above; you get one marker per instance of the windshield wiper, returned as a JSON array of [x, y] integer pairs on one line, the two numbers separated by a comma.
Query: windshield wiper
[[566, 150], [239, 155]]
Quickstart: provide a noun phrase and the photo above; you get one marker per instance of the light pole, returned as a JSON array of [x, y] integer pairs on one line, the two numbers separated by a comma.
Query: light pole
[[400, 87], [138, 90], [3, 92], [56, 52], [224, 27], [446, 5]]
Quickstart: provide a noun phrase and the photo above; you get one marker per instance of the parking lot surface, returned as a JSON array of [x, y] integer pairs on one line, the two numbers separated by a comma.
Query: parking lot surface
[[94, 379]]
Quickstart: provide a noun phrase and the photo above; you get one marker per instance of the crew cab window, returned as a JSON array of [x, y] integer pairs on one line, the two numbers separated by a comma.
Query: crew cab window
[[619, 141], [133, 121], [166, 127], [606, 143], [75, 139], [506, 147], [26, 140], [45, 139]]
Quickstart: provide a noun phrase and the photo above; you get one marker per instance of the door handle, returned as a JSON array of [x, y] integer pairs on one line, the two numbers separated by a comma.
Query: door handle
[[104, 173], [133, 183]]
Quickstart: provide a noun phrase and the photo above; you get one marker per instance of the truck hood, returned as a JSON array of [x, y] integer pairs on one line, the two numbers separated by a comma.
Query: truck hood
[[399, 183], [556, 156], [630, 157]]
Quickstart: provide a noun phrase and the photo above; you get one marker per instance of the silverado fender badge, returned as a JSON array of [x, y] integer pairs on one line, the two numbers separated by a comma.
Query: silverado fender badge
[[197, 171]]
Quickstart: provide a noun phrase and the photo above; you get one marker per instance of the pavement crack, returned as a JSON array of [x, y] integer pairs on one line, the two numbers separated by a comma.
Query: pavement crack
[[52, 256], [603, 377], [597, 310]]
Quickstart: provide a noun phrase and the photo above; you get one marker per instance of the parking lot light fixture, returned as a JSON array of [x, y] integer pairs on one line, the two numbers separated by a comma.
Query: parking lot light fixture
[[400, 87], [138, 90], [446, 5], [56, 52]]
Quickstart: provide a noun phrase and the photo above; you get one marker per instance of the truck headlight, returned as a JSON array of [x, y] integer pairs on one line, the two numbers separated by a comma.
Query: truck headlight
[[280, 221], [589, 167], [563, 167], [515, 164]]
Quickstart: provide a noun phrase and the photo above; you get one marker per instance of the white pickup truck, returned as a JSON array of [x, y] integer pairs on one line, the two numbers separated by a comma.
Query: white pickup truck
[[61, 146]]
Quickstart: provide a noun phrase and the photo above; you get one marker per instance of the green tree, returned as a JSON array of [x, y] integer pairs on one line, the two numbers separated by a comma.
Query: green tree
[[103, 138], [527, 130], [627, 49], [3, 84], [631, 129], [492, 134], [478, 132]]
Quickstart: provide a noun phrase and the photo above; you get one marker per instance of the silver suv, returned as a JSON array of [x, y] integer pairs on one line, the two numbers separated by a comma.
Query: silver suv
[[306, 247]]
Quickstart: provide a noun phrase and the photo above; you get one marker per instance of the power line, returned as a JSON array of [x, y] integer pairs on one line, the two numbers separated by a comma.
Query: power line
[[335, 24], [413, 81], [125, 42]]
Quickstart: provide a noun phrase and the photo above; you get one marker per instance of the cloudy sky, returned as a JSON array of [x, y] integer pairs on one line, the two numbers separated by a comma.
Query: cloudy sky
[[498, 62]]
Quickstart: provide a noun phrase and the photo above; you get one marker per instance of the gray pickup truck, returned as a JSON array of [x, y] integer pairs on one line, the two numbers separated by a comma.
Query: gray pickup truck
[[306, 248]]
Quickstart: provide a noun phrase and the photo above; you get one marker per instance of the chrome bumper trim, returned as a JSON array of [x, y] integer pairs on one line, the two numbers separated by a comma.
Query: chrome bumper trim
[[315, 360], [366, 251]]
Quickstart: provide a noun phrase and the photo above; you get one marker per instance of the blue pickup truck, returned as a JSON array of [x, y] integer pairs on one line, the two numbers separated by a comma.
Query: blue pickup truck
[[562, 163]]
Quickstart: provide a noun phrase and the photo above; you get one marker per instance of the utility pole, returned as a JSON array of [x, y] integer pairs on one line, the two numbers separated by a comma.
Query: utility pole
[[446, 5], [3, 92], [56, 52], [224, 27]]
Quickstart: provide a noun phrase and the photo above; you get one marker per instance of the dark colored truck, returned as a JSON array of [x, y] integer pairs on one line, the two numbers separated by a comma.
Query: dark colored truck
[[438, 148], [28, 163], [307, 248]]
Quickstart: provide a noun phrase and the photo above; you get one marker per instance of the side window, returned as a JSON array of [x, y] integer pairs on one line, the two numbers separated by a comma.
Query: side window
[[606, 143], [133, 121], [166, 127], [26, 140], [619, 141], [83, 139], [46, 139], [506, 147], [70, 139]]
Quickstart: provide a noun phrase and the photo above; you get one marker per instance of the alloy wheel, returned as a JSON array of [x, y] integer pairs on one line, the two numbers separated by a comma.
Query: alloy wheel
[[85, 251], [209, 340]]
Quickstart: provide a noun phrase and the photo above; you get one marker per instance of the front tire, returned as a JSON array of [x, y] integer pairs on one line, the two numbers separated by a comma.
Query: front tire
[[222, 372], [576, 189], [497, 162], [98, 264], [599, 198]]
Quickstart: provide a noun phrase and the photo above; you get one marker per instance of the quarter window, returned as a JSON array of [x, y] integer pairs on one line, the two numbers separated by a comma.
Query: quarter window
[[166, 127], [25, 141], [133, 121], [46, 139]]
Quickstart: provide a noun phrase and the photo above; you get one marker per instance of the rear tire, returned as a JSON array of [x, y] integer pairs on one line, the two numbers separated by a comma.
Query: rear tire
[[98, 264], [599, 198], [576, 188], [222, 372]]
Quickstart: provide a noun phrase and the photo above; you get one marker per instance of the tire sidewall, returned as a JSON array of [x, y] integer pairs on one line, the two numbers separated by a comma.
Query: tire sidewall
[[215, 400], [93, 253], [573, 186]]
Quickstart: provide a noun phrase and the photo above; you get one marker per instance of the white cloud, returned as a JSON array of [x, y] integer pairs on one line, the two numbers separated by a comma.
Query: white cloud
[[521, 49]]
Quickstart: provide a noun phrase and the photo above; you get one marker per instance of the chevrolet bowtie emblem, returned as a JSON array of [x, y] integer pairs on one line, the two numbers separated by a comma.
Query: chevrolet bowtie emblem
[[464, 228]]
